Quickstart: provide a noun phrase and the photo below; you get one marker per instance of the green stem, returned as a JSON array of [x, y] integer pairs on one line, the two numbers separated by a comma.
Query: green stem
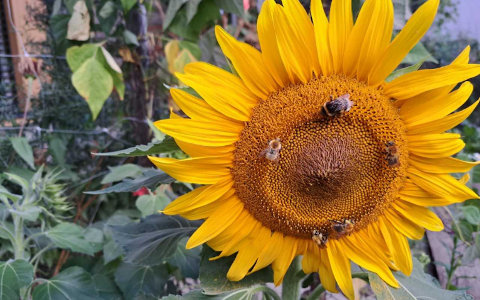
[[19, 245], [266, 291], [292, 282]]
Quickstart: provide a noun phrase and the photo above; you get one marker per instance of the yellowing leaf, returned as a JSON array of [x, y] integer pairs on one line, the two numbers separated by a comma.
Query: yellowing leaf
[[79, 23], [126, 55], [171, 52], [76, 55], [183, 58], [94, 83]]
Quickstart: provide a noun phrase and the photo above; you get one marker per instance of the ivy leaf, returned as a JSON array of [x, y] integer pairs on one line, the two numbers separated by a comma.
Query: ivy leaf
[[134, 280], [213, 274], [70, 236], [149, 178], [23, 148], [72, 283], [166, 145], [154, 239], [94, 83], [14, 275], [418, 285]]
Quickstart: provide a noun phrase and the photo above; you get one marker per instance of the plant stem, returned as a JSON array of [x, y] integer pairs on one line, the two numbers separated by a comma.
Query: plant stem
[[316, 293], [19, 245], [292, 282]]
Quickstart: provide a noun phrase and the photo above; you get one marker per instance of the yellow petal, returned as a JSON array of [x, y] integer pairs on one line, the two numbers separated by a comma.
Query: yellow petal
[[377, 39], [202, 212], [199, 150], [358, 252], [303, 28], [420, 110], [196, 108], [241, 228], [341, 24], [419, 215], [397, 245], [199, 197], [206, 133], [311, 259], [327, 278], [225, 215], [442, 185], [417, 82], [294, 59], [320, 23], [405, 226], [222, 90], [248, 63], [442, 165], [410, 35], [340, 267], [282, 262], [201, 170], [435, 145], [268, 43], [370, 36], [248, 254], [442, 124], [271, 252]]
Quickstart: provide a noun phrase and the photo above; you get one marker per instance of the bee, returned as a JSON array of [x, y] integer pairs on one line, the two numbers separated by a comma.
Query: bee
[[393, 158], [319, 238], [338, 106], [273, 150], [343, 228]]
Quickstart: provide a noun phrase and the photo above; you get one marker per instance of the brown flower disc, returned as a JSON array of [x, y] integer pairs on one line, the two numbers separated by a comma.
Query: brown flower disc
[[328, 168]]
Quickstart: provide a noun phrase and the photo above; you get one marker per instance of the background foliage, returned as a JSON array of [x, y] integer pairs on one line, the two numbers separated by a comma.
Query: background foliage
[[74, 225]]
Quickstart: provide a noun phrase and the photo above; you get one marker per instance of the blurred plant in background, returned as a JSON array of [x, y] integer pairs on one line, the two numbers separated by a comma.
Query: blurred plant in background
[[83, 226]]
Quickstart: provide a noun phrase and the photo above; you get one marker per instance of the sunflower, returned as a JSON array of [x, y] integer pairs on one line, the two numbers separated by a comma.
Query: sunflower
[[307, 150]]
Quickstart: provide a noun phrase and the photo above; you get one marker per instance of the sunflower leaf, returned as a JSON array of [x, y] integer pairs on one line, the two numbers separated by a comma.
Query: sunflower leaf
[[149, 178], [213, 274], [418, 285], [157, 147], [135, 280], [152, 240], [14, 274]]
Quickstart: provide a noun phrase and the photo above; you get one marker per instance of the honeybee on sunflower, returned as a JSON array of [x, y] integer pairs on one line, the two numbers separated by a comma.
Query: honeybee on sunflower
[[331, 167]]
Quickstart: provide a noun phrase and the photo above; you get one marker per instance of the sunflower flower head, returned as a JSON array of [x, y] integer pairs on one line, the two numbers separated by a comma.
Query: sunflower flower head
[[307, 150]]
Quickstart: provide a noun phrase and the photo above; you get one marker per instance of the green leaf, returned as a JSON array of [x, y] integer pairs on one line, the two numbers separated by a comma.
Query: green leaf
[[193, 48], [94, 83], [151, 204], [187, 260], [403, 71], [107, 9], [14, 275], [128, 5], [130, 38], [95, 237], [76, 55], [110, 61], [418, 285], [231, 6], [29, 212], [23, 148], [106, 288], [417, 54], [166, 145], [70, 236], [172, 9], [58, 27], [149, 178], [213, 274], [58, 149], [154, 239], [134, 280], [72, 283], [472, 252], [192, 7], [471, 214], [121, 172]]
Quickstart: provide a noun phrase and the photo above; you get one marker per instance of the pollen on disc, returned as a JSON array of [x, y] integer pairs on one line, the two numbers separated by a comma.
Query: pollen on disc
[[329, 168]]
